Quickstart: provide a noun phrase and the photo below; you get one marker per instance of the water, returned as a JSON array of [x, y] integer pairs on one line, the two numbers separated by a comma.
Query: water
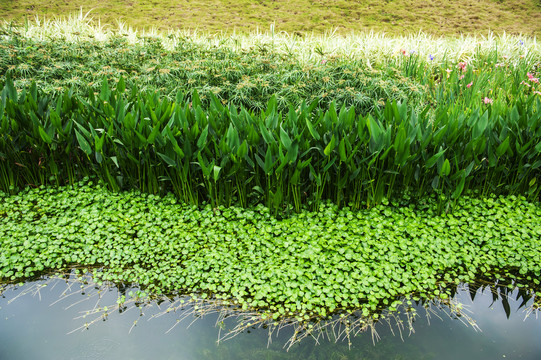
[[37, 327]]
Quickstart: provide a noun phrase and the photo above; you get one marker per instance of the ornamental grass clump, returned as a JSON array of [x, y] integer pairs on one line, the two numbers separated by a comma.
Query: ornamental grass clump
[[360, 70], [244, 78]]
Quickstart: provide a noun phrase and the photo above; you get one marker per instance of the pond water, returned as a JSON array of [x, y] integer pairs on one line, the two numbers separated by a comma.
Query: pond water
[[36, 326]]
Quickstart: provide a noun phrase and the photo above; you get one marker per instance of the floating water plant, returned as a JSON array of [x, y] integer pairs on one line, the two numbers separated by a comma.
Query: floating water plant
[[307, 266]]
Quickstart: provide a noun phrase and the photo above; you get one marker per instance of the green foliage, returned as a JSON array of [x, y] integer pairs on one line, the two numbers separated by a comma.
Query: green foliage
[[226, 155], [362, 72], [308, 265], [248, 78]]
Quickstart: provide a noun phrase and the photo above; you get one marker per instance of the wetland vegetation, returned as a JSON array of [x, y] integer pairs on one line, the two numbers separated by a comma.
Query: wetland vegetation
[[293, 178], [306, 266]]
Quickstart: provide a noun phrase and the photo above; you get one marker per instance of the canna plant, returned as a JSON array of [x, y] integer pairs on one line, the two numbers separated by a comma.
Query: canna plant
[[226, 155]]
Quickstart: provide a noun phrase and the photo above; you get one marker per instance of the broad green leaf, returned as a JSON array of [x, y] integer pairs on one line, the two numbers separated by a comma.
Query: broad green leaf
[[105, 93], [121, 85], [330, 146], [174, 143], [435, 182], [502, 148], [167, 159], [55, 120], [374, 129], [202, 141], [446, 168], [267, 136], [469, 168], [196, 101], [514, 116], [271, 105], [44, 136], [9, 88], [434, 159], [293, 151], [438, 135], [269, 164], [204, 167], [216, 172], [115, 160], [83, 143], [242, 151], [232, 137], [311, 129], [99, 157], [99, 141], [480, 126], [286, 141], [342, 150]]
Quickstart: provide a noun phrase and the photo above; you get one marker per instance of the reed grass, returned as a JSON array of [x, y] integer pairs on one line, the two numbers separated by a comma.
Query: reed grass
[[377, 47]]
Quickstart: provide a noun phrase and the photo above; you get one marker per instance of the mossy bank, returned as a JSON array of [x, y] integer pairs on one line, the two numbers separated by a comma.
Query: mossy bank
[[307, 265]]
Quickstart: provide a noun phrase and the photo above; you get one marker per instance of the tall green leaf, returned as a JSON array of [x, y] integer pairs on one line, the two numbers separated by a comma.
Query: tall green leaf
[[83, 143]]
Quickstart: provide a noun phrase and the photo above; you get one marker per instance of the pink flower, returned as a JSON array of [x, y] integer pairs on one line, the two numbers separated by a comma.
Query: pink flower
[[533, 79], [324, 61], [487, 100], [470, 84], [537, 92], [462, 65], [461, 77]]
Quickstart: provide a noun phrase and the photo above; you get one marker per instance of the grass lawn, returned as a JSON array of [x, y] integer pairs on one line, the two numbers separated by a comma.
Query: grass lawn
[[301, 16]]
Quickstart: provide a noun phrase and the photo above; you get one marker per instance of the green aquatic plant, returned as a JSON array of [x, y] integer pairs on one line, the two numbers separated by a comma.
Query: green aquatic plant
[[226, 155], [360, 70], [307, 266], [248, 78]]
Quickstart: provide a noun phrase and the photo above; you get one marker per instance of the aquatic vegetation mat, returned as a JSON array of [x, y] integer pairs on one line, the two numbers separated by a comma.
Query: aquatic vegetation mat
[[305, 267]]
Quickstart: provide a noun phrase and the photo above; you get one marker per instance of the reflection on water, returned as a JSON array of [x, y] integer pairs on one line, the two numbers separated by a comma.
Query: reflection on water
[[32, 328]]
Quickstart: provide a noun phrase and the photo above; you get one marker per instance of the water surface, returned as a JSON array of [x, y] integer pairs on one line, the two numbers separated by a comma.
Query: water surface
[[37, 326]]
